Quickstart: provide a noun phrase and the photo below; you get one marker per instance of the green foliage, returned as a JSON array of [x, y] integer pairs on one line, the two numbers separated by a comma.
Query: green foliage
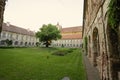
[[8, 42], [33, 64], [11, 47], [37, 44], [62, 45], [6, 47], [85, 44], [114, 23], [60, 53], [114, 14], [48, 33], [63, 51]]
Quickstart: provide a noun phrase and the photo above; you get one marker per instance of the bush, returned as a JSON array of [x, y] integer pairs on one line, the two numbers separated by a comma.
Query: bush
[[6, 47], [8, 42], [59, 53], [63, 52], [37, 44], [11, 47]]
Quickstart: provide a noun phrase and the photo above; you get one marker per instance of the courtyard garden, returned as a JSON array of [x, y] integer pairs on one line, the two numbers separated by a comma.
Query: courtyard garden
[[41, 64]]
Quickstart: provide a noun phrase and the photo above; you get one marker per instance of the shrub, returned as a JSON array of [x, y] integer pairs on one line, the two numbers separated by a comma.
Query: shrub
[[37, 44], [63, 52], [59, 53], [8, 42], [6, 47]]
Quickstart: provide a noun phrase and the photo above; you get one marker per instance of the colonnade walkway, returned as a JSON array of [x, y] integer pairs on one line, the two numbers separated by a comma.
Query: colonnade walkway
[[91, 71]]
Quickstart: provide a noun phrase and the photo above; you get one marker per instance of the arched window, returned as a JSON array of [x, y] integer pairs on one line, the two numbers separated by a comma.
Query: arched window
[[96, 45], [16, 43]]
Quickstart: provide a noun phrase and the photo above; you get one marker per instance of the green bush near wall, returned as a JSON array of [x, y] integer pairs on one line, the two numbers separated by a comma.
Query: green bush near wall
[[85, 44], [114, 14]]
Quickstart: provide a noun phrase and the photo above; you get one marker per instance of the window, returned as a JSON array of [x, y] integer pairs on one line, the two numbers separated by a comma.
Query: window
[[2, 42], [22, 37], [17, 37], [30, 38], [4, 35], [10, 36]]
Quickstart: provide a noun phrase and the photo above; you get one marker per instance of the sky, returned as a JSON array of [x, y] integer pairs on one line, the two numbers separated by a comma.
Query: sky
[[32, 14]]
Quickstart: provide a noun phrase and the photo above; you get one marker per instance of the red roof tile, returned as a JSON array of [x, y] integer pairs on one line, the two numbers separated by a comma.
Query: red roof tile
[[72, 36], [72, 33], [71, 29]]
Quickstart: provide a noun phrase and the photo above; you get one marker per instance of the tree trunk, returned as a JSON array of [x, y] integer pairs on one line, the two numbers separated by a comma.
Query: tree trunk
[[47, 44]]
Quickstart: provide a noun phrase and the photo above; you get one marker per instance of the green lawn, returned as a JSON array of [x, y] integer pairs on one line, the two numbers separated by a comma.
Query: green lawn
[[33, 64]]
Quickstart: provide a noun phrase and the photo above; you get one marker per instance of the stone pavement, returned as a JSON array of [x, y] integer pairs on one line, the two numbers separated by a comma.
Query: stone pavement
[[66, 78], [91, 71]]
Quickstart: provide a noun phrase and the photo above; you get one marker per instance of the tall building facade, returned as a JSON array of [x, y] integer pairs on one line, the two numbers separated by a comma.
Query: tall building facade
[[18, 36], [103, 43], [71, 37]]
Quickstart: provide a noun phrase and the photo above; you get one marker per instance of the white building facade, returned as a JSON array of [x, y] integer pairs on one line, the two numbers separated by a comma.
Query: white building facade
[[71, 37], [18, 36]]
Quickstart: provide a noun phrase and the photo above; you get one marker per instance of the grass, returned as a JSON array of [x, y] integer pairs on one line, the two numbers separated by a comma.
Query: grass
[[33, 64]]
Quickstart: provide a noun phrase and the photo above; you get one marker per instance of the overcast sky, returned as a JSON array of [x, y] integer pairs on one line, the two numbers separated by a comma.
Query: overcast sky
[[33, 14]]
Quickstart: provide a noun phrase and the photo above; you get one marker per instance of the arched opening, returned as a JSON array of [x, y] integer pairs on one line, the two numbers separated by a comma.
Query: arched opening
[[29, 43], [16, 43], [33, 43], [2, 42], [25, 43], [95, 46]]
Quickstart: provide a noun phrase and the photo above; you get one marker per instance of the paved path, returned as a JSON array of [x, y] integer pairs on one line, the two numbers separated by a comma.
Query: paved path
[[92, 72], [66, 78]]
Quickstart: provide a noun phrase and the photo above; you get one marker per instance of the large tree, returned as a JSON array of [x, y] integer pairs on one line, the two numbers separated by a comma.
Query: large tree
[[2, 7], [48, 33]]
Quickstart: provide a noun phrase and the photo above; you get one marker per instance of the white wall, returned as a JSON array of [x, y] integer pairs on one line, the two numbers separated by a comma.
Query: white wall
[[19, 38]]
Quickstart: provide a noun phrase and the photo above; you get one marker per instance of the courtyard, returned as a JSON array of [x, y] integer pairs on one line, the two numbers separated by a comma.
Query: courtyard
[[40, 64]]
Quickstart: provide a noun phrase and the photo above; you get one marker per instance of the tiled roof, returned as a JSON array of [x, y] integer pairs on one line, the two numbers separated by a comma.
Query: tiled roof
[[72, 32], [72, 36], [15, 29], [71, 29]]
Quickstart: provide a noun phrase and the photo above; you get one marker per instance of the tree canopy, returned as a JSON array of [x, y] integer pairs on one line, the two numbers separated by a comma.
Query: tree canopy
[[48, 33]]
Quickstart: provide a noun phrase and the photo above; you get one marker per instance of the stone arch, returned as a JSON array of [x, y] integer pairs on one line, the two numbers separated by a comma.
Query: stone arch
[[95, 39], [2, 42], [29, 43], [16, 43], [33, 43], [25, 43]]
